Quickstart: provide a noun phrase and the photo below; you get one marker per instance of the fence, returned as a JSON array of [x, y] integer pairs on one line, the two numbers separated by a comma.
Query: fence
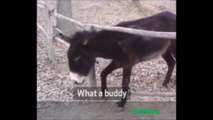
[[50, 36]]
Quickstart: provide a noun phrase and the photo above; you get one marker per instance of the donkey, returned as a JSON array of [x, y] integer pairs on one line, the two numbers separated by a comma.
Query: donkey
[[125, 50]]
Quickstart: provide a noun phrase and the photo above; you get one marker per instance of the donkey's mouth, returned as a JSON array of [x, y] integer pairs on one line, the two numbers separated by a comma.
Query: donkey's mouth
[[79, 83]]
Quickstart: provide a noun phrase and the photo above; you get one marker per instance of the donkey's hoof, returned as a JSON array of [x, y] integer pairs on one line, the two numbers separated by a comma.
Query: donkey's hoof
[[119, 109]]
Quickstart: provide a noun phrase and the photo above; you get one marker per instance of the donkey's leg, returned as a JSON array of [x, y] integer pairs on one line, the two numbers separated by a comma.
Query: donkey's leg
[[125, 87], [170, 63], [112, 66]]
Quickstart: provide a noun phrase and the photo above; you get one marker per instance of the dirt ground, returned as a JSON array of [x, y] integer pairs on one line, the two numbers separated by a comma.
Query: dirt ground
[[103, 111], [54, 96]]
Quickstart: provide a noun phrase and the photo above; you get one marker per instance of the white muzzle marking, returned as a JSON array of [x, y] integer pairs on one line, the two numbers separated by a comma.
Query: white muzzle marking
[[76, 77]]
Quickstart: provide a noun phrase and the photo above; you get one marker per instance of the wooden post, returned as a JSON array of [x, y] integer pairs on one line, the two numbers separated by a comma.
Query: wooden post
[[64, 7], [51, 50], [92, 77]]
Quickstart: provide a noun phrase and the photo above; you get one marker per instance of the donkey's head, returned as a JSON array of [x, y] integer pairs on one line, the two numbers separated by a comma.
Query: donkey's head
[[80, 56]]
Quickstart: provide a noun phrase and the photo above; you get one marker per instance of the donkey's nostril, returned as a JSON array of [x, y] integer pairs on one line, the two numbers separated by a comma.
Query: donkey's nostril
[[78, 79], [76, 83]]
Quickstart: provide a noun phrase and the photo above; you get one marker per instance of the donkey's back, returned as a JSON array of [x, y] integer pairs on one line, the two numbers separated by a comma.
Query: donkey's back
[[163, 21], [131, 49]]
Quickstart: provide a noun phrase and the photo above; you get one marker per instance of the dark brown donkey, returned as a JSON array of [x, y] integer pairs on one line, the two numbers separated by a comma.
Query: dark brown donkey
[[124, 49]]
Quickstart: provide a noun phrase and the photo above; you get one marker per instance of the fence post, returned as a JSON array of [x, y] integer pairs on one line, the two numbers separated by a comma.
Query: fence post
[[49, 32], [50, 26], [64, 7], [92, 77]]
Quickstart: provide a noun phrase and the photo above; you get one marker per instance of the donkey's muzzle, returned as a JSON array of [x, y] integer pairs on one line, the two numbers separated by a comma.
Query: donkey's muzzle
[[78, 79]]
